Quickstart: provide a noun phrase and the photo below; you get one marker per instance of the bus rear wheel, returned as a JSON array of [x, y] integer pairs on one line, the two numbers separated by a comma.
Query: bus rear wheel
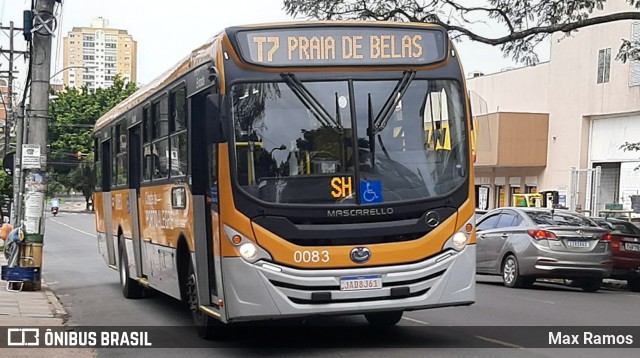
[[206, 325], [388, 318]]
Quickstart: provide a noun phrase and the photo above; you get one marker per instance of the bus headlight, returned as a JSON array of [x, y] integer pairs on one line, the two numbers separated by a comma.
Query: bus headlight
[[248, 251], [459, 240]]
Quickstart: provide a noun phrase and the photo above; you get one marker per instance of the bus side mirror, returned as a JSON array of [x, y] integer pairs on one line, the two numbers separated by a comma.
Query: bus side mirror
[[215, 118]]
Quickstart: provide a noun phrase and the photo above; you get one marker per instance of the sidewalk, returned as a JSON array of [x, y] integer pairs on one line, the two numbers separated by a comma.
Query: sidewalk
[[33, 309]]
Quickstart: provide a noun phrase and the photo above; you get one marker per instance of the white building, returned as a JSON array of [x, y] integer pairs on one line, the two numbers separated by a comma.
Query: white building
[[575, 110], [94, 55]]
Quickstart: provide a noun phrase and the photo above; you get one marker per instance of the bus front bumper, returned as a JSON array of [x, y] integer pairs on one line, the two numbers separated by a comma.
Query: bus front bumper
[[264, 290]]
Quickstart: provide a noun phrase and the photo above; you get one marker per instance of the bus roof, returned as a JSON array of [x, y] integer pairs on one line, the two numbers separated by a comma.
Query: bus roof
[[207, 52], [197, 57]]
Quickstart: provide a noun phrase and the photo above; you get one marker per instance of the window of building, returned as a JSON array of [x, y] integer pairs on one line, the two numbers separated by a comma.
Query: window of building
[[634, 65], [604, 65], [501, 196]]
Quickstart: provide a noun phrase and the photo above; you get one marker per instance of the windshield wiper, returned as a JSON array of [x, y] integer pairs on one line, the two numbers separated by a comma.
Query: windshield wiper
[[378, 124], [311, 102], [392, 102]]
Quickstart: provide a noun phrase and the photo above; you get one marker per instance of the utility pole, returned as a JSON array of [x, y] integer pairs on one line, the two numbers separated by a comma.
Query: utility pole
[[35, 148], [9, 116]]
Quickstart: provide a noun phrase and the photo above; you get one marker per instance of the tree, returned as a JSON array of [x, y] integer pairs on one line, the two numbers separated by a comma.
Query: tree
[[523, 24], [6, 187], [73, 115], [84, 179]]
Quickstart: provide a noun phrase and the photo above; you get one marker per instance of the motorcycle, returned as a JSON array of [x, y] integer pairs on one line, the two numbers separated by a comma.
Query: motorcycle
[[54, 210]]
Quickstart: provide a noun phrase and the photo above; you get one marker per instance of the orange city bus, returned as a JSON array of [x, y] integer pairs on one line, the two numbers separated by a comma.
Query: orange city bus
[[296, 169]]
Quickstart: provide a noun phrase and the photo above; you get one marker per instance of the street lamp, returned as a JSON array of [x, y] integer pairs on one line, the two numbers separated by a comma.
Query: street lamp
[[86, 67]]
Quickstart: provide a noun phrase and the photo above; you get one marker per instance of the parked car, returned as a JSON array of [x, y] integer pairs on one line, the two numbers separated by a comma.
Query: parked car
[[523, 244], [625, 246], [479, 213]]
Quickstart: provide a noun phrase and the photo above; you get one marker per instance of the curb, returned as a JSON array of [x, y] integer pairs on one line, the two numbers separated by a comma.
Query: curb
[[56, 306]]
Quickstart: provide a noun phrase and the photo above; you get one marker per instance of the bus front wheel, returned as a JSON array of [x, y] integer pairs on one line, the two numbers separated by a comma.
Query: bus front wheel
[[389, 318], [130, 288]]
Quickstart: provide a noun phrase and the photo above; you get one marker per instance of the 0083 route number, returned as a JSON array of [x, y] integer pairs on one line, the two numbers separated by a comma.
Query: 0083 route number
[[311, 256]]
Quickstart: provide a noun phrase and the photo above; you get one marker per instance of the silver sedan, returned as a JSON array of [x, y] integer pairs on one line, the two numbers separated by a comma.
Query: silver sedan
[[523, 244]]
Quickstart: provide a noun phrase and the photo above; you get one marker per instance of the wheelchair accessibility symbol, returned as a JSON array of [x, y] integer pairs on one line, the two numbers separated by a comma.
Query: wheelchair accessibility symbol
[[371, 191]]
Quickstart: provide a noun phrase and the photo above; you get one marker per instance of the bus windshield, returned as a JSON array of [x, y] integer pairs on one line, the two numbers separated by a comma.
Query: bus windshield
[[300, 143]]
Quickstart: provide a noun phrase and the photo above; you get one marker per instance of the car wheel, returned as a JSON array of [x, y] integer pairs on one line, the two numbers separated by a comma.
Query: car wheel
[[389, 318], [511, 273], [590, 284], [206, 325], [634, 284], [130, 287]]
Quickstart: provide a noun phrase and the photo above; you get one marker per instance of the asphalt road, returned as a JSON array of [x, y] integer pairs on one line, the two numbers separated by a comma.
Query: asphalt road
[[90, 292]]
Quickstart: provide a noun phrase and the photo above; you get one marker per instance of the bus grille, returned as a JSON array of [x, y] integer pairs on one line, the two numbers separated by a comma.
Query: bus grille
[[357, 240]]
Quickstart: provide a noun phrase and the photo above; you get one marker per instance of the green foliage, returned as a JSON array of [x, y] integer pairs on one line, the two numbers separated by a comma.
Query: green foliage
[[629, 51], [628, 147], [6, 185], [73, 115], [84, 179], [517, 26]]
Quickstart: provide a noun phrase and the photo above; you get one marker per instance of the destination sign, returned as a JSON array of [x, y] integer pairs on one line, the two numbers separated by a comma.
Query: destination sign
[[343, 46]]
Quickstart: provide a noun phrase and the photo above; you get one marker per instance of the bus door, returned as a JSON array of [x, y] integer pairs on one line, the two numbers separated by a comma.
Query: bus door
[[134, 170], [106, 192], [205, 207]]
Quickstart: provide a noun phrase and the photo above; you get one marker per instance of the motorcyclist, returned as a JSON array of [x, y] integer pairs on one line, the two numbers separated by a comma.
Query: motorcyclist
[[55, 204]]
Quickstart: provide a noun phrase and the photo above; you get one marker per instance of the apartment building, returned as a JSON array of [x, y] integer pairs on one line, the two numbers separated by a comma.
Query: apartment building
[[94, 55], [569, 115]]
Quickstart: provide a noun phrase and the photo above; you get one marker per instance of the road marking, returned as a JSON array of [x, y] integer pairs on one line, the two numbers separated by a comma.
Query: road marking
[[502, 343], [535, 299], [416, 321], [72, 228]]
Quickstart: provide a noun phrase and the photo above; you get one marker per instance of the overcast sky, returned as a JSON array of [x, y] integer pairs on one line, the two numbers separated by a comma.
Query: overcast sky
[[166, 31]]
